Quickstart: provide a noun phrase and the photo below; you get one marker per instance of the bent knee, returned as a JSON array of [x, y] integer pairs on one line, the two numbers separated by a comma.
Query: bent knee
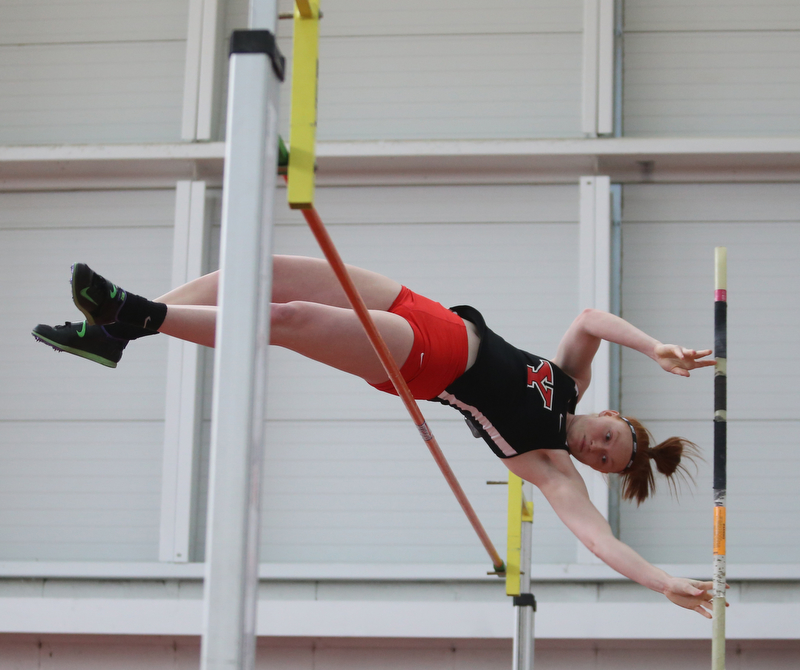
[[287, 318]]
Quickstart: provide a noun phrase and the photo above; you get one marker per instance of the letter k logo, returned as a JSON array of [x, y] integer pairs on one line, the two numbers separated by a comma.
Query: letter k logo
[[541, 379]]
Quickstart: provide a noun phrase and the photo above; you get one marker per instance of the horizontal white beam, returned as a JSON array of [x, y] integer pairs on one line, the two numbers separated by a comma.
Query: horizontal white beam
[[561, 572], [107, 152], [624, 159], [620, 146], [395, 619], [611, 146]]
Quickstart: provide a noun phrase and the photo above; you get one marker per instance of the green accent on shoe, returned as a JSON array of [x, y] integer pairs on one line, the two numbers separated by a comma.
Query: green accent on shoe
[[76, 352], [82, 330], [97, 298], [87, 296]]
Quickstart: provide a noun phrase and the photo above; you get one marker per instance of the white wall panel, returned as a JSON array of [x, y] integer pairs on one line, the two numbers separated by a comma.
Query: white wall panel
[[669, 235], [417, 17], [347, 477], [718, 15], [450, 87], [67, 21], [351, 18], [712, 83], [80, 442], [452, 71], [91, 93], [91, 71], [80, 490]]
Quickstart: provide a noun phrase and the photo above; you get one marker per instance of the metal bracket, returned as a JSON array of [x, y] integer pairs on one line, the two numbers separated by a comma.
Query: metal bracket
[[525, 600], [259, 42]]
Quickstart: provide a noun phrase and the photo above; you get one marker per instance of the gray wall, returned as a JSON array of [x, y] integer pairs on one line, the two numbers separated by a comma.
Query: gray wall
[[709, 68]]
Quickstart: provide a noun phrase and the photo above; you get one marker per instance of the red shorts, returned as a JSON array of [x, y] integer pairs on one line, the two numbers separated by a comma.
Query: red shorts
[[440, 351]]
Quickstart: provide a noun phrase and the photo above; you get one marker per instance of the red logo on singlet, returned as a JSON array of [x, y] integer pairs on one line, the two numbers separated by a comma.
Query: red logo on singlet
[[541, 379]]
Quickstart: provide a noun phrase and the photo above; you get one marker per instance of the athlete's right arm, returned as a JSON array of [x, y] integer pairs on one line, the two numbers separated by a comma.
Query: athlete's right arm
[[582, 339]]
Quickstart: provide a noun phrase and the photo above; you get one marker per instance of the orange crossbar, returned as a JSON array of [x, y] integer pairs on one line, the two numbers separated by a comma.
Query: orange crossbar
[[336, 263]]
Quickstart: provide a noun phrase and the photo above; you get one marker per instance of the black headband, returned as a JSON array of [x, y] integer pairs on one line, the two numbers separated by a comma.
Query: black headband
[[633, 435]]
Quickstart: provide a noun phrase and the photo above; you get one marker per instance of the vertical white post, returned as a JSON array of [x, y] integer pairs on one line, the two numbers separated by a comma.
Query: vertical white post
[[201, 70], [589, 68], [209, 74], [184, 372], [191, 77], [597, 111], [605, 68], [242, 336], [595, 291]]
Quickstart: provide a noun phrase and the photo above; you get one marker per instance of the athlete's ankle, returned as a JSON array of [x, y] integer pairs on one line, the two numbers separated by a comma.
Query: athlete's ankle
[[123, 331], [139, 312]]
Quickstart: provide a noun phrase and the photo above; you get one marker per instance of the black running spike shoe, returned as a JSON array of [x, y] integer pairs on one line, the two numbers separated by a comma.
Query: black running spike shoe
[[98, 299], [81, 339]]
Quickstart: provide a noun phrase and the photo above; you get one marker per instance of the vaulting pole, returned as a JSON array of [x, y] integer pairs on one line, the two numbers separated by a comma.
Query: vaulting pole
[[720, 453], [336, 263], [300, 194]]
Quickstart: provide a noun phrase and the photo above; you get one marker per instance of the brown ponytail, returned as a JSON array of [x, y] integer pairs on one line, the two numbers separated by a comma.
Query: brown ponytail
[[638, 481]]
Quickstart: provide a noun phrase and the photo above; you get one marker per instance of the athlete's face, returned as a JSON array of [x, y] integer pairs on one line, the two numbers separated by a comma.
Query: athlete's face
[[601, 441]]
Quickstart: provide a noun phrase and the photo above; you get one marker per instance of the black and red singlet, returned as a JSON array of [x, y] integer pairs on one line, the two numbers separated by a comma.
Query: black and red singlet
[[516, 401]]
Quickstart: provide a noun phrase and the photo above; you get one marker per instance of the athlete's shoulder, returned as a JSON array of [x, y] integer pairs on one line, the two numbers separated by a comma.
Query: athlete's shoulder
[[542, 466]]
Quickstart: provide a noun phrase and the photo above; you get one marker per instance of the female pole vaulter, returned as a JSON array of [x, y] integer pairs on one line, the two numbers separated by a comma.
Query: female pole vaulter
[[521, 404]]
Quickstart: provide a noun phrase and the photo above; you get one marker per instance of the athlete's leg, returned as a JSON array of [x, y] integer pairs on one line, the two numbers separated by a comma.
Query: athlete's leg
[[193, 323], [334, 336], [200, 291], [191, 312], [299, 278], [331, 335]]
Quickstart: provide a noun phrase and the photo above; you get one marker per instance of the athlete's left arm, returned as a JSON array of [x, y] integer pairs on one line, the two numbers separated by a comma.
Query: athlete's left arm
[[582, 339], [564, 489]]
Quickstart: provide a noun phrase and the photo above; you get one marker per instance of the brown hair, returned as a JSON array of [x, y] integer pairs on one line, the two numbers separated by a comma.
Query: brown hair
[[638, 480]]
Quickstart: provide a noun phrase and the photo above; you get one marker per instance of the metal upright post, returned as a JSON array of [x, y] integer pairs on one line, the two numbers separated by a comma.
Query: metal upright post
[[518, 570], [242, 337], [525, 604]]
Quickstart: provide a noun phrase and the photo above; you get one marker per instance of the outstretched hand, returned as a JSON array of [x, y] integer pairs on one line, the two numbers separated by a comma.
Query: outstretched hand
[[679, 360], [691, 594]]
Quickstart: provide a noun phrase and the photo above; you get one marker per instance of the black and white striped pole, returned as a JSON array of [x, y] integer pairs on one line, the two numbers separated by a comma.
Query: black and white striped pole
[[720, 453]]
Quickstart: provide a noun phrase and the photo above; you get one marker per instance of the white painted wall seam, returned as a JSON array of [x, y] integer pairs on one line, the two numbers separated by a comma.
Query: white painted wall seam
[[182, 412], [191, 82], [594, 285], [591, 18], [209, 66]]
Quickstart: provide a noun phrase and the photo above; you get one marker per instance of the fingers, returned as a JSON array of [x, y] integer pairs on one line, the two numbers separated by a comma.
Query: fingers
[[705, 586], [703, 611], [704, 364]]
